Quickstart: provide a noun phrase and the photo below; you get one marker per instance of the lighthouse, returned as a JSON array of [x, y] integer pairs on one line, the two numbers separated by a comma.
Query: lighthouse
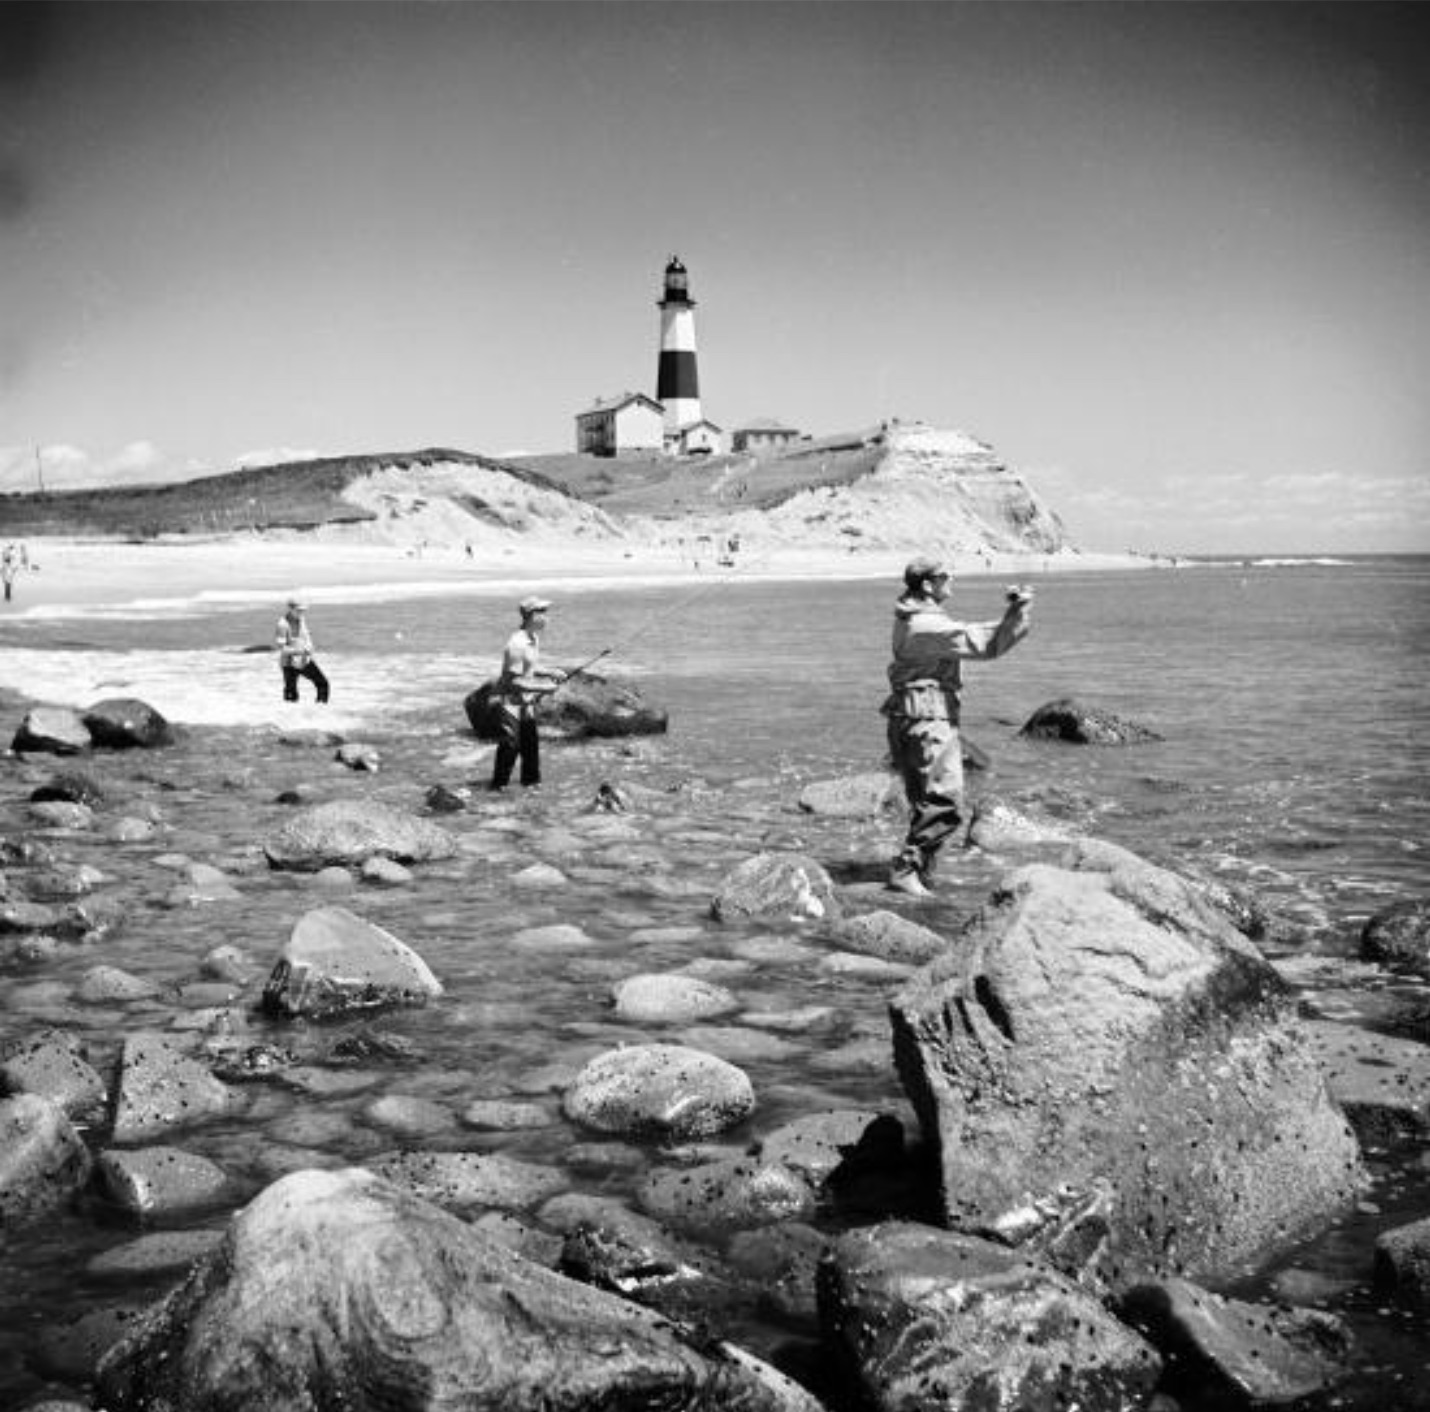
[[677, 386]]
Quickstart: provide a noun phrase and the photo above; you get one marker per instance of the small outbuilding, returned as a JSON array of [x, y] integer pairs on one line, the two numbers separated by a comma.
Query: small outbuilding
[[702, 438], [763, 436], [630, 421]]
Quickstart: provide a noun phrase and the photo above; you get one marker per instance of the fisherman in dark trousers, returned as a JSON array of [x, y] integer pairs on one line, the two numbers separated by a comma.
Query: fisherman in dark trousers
[[520, 686], [295, 653], [926, 682]]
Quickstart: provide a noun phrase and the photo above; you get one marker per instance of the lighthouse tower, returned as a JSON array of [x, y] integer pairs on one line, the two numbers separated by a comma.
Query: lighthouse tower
[[677, 386]]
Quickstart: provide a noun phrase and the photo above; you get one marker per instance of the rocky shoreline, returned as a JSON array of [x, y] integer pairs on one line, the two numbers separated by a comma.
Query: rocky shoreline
[[1091, 1103]]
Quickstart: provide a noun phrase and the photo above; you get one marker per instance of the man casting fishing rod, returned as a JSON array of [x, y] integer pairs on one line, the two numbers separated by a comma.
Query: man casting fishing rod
[[520, 686], [926, 681]]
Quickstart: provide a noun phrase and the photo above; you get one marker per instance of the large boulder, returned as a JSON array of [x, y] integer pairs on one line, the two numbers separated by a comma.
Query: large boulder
[[664, 1091], [1100, 1046], [160, 1088], [588, 706], [122, 723], [51, 730], [51, 1063], [43, 1161], [928, 1318], [336, 1289], [347, 832], [1081, 724], [337, 963], [1399, 935]]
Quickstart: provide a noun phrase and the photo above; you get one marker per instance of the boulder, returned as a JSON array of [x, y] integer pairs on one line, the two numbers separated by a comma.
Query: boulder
[[1236, 1354], [1382, 1082], [51, 730], [667, 999], [853, 797], [1081, 724], [729, 1194], [587, 706], [1107, 1066], [347, 832], [336, 1289], [1399, 935], [43, 1161], [787, 886], [928, 1318], [51, 1064], [159, 1181], [663, 1091], [465, 1182], [122, 723], [357, 756], [1402, 1265], [61, 814], [160, 1088], [336, 963], [825, 1147]]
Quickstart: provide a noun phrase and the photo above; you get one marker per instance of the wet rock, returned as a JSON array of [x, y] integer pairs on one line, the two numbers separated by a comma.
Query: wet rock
[[43, 1162], [1399, 935], [853, 797], [559, 936], [228, 963], [51, 730], [586, 707], [930, 1318], [726, 1195], [1195, 1102], [160, 1088], [664, 1091], [1075, 721], [336, 963], [887, 936], [541, 1247], [51, 1064], [406, 1116], [60, 814], [74, 787], [783, 1261], [665, 999], [385, 873], [825, 1147], [61, 882], [776, 885], [1402, 1265], [337, 1289], [1236, 1354], [20, 916], [441, 800], [462, 1182], [356, 756], [122, 723], [108, 985], [160, 1181], [347, 832], [504, 1116], [159, 1253], [1382, 1082], [539, 876], [997, 827], [71, 1352]]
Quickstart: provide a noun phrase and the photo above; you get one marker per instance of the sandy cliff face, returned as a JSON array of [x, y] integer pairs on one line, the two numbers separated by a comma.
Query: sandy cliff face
[[931, 489]]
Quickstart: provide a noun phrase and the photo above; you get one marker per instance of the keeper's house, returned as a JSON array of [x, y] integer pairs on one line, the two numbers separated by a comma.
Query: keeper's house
[[763, 436], [627, 423]]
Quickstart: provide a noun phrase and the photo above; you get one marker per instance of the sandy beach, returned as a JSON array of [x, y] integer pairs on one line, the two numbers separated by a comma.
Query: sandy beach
[[74, 573]]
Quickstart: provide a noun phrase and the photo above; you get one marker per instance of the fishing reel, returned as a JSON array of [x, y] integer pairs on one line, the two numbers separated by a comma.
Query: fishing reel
[[1019, 594]]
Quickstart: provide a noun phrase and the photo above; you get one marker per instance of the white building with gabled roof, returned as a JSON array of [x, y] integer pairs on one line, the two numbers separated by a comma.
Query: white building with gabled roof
[[628, 422]]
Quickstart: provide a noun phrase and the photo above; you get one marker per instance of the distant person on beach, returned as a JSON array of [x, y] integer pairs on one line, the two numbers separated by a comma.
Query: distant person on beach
[[295, 653], [9, 567], [926, 689], [519, 688]]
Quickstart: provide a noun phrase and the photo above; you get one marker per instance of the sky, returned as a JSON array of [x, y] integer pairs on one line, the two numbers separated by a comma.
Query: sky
[[1172, 261]]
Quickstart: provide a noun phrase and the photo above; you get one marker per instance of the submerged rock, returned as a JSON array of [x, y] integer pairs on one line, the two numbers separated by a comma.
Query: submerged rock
[[123, 723], [336, 1289], [664, 1091], [347, 832], [43, 1162], [784, 885], [1399, 935], [1074, 721], [51, 730], [587, 707]]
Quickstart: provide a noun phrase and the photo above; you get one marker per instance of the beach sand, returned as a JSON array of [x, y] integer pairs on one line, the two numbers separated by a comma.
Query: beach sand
[[73, 573]]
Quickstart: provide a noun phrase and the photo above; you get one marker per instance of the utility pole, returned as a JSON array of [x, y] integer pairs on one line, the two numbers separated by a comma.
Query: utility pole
[[39, 470]]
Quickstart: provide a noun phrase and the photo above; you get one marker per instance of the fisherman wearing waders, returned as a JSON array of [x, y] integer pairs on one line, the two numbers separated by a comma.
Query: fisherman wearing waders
[[295, 653], [926, 681], [520, 686]]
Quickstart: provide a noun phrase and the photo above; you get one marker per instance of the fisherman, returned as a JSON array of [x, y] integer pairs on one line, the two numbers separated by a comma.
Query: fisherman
[[926, 681], [295, 653], [9, 567], [519, 687]]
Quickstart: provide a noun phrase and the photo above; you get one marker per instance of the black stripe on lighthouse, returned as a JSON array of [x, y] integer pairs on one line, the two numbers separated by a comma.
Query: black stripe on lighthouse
[[676, 379]]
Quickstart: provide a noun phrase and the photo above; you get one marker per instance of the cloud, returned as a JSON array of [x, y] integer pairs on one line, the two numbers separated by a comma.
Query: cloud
[[64, 467]]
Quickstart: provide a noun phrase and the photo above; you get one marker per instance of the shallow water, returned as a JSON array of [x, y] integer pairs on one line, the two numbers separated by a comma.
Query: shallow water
[[1291, 699]]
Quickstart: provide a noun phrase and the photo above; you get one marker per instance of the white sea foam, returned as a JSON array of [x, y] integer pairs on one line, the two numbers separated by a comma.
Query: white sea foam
[[232, 688]]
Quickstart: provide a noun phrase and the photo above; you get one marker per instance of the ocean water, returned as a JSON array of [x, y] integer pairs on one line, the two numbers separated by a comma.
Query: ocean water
[[1290, 695]]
